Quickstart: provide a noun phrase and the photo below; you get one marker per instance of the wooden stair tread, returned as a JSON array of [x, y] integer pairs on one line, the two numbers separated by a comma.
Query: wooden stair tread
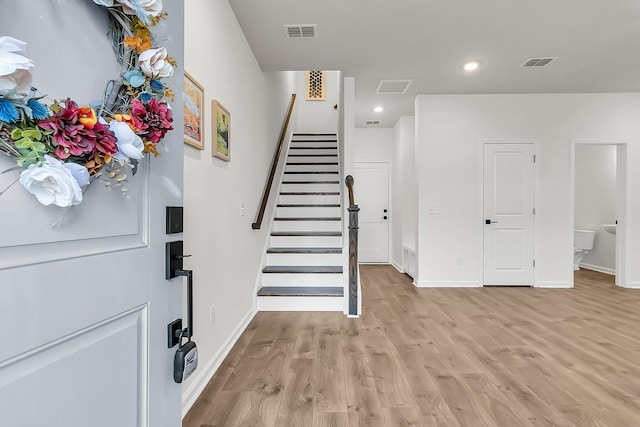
[[314, 140], [304, 250], [307, 219], [310, 193], [300, 291], [306, 269], [308, 233], [308, 205]]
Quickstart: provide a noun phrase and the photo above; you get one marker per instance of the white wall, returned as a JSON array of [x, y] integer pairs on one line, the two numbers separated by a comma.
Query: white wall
[[318, 116], [226, 251], [449, 129], [373, 145], [595, 201], [404, 189]]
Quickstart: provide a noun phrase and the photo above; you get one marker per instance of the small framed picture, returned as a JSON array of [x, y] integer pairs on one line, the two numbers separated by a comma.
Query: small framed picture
[[221, 119], [193, 101]]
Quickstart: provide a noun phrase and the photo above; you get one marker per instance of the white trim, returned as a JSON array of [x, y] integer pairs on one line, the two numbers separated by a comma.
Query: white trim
[[605, 270], [301, 303], [191, 393], [633, 285], [623, 206], [553, 285], [447, 284], [397, 267]]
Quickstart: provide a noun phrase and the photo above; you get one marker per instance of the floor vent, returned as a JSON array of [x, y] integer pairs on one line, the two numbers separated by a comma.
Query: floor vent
[[393, 87], [372, 122], [299, 31], [538, 62]]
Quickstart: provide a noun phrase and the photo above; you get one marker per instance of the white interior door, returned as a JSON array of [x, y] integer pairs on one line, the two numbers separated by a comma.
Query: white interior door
[[85, 307], [372, 197], [508, 213]]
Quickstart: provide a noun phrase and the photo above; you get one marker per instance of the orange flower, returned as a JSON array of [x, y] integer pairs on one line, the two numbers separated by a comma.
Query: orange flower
[[140, 42], [150, 147], [87, 116], [125, 118]]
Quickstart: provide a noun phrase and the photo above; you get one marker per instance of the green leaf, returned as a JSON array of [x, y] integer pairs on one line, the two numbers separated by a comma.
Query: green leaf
[[16, 133], [32, 133]]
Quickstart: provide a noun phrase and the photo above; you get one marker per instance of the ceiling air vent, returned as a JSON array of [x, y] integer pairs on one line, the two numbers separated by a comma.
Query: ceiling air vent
[[372, 122], [538, 62], [299, 31], [393, 87]]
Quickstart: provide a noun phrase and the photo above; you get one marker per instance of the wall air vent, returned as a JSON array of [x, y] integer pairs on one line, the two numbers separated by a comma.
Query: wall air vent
[[372, 122], [298, 31], [393, 87], [538, 62]]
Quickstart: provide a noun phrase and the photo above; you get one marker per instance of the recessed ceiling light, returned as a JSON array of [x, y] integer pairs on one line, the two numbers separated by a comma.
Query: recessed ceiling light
[[471, 66], [378, 109]]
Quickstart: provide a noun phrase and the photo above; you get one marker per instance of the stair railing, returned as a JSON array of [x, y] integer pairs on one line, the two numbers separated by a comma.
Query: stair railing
[[353, 249], [274, 165]]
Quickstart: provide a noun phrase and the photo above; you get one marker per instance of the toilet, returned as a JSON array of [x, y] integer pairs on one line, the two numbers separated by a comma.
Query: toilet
[[582, 244]]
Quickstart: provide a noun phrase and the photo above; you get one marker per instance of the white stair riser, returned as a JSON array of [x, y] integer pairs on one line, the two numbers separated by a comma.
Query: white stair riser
[[307, 212], [300, 279], [307, 226], [298, 137], [306, 241], [296, 144], [311, 177], [300, 304], [311, 168], [315, 151], [309, 159], [304, 259], [309, 198], [311, 188]]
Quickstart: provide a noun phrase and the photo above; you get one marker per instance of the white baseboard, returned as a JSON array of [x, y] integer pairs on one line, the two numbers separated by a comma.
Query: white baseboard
[[552, 285], [445, 284], [202, 378], [301, 304], [633, 285], [397, 267], [605, 270]]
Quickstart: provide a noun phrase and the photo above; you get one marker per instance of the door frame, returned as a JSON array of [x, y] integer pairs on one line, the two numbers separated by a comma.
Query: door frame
[[389, 203], [536, 197], [623, 206]]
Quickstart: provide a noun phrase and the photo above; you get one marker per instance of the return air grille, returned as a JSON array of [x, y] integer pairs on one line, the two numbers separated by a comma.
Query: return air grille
[[299, 31], [393, 87], [538, 62], [372, 122]]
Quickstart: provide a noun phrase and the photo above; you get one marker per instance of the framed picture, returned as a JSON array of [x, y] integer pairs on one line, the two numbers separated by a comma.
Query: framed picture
[[221, 119], [193, 101]]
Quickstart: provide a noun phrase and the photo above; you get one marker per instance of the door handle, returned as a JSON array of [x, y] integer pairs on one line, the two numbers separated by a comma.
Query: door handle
[[384, 217], [488, 222]]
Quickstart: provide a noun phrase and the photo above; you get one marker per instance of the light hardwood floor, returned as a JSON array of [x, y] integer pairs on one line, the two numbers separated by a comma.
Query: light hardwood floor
[[438, 357]]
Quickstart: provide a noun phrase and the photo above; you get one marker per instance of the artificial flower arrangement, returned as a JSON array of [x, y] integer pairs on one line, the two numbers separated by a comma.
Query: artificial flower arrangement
[[64, 147]]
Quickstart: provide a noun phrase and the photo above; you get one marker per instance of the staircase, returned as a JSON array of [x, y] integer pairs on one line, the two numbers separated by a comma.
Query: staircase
[[304, 263]]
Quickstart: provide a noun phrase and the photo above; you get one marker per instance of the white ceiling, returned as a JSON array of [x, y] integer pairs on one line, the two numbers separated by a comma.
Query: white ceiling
[[597, 42]]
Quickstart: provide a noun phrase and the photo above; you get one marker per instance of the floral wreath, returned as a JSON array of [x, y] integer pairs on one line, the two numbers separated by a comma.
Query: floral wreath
[[63, 147]]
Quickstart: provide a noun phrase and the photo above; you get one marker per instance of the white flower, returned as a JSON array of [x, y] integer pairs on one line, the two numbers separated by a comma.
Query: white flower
[[105, 3], [141, 8], [130, 145], [15, 68], [53, 182], [153, 63]]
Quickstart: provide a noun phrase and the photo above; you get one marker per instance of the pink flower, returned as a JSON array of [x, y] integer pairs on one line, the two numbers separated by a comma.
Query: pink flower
[[152, 120], [68, 132]]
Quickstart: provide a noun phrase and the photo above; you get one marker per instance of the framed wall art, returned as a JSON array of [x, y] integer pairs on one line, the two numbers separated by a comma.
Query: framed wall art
[[221, 119], [193, 100]]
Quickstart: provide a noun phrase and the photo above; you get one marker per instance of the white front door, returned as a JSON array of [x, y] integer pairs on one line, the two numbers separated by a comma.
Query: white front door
[[84, 307], [508, 214], [371, 189]]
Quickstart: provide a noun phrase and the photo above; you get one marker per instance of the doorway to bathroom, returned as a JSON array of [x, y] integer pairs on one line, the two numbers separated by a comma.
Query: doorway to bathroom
[[599, 208]]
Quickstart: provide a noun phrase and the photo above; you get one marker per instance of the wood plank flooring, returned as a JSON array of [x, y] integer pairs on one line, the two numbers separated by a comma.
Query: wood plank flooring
[[438, 357]]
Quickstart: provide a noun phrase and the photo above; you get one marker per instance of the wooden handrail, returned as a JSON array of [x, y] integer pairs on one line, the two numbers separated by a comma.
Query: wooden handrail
[[274, 165], [349, 182]]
